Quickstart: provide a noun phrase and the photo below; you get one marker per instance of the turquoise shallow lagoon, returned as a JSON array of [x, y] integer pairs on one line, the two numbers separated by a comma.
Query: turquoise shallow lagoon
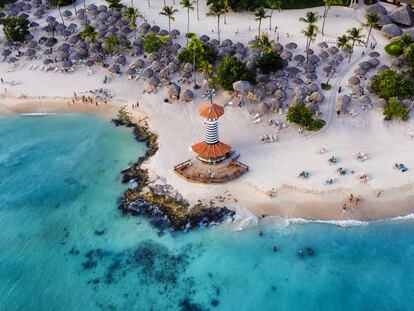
[[65, 246]]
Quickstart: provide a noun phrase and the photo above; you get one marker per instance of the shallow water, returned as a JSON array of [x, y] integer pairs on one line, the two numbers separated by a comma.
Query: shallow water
[[65, 246]]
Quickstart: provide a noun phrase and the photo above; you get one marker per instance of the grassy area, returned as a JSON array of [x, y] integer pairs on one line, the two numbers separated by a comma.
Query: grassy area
[[303, 4], [251, 5]]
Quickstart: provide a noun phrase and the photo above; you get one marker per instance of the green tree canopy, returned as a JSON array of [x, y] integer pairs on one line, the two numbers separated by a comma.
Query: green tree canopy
[[152, 43], [231, 70], [269, 62], [303, 116], [15, 29], [396, 110], [391, 84]]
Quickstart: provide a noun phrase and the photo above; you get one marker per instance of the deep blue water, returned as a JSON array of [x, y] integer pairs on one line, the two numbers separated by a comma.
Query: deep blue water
[[65, 246]]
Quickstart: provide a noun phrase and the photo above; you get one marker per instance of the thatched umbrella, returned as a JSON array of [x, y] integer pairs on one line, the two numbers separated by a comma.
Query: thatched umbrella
[[333, 50], [299, 58], [343, 104], [258, 92], [286, 55], [278, 47], [365, 65], [152, 56], [164, 74], [12, 60], [205, 38], [89, 63], [242, 87], [174, 91], [175, 33], [374, 62], [311, 77], [376, 8], [354, 80], [275, 104], [172, 67], [147, 73], [313, 87], [279, 94], [314, 59], [67, 64], [397, 62], [47, 61], [322, 45], [360, 72], [358, 90], [382, 68], [271, 87], [292, 71], [139, 63], [154, 81], [32, 44], [317, 97], [391, 30], [262, 108], [403, 15], [156, 65], [291, 46], [188, 67], [374, 54], [313, 106], [323, 55], [227, 42], [187, 96], [365, 100], [114, 68], [309, 67], [30, 52]]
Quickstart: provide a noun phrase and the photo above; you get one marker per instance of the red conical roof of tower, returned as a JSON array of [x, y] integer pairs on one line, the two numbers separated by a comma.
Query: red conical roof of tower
[[211, 111], [214, 151]]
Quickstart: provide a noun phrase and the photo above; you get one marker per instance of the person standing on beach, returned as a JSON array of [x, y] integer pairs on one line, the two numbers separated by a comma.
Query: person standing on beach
[[2, 81]]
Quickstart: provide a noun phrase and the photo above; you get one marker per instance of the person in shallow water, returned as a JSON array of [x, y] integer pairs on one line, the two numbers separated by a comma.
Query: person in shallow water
[[274, 248]]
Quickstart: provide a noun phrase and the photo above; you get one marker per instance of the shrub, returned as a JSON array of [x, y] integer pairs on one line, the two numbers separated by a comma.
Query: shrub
[[269, 62], [303, 116], [391, 84], [152, 43], [231, 70], [55, 3], [326, 86], [409, 57], [394, 48], [396, 110], [113, 44], [15, 29], [4, 2]]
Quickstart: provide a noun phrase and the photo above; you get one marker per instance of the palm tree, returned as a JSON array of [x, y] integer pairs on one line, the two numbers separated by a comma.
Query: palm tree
[[89, 32], [149, 3], [131, 14], [310, 34], [206, 69], [216, 9], [355, 36], [310, 18], [259, 15], [169, 12], [189, 5], [263, 43], [60, 12], [226, 10], [74, 7], [273, 5], [328, 4], [372, 20], [198, 16], [342, 42], [196, 46], [405, 41]]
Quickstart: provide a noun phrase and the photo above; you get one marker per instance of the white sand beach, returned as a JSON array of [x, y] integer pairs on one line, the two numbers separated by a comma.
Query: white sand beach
[[272, 186]]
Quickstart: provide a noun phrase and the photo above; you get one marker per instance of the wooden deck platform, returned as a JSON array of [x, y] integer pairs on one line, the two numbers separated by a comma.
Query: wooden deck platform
[[199, 172]]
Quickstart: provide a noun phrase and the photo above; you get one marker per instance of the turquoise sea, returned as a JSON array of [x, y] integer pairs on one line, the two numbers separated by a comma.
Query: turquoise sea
[[64, 245]]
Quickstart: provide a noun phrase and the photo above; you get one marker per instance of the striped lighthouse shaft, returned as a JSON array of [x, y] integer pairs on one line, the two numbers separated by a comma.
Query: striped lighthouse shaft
[[211, 135]]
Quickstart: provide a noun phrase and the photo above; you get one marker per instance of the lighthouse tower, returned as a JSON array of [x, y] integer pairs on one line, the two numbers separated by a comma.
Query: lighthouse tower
[[211, 150]]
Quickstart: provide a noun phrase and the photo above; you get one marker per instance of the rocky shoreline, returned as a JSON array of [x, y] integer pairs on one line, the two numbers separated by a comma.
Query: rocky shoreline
[[166, 209]]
